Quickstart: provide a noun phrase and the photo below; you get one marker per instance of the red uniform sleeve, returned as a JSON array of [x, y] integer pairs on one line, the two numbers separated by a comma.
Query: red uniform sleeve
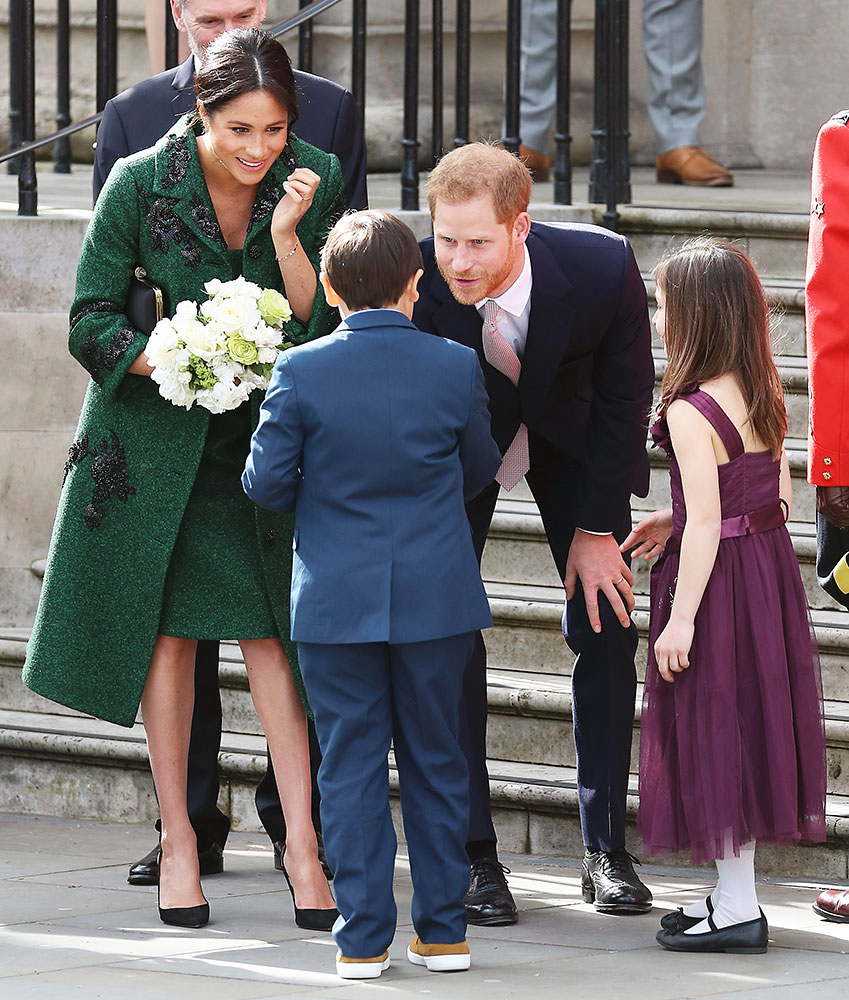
[[827, 307]]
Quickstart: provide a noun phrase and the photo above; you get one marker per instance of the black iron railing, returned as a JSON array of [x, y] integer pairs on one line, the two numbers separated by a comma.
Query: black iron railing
[[609, 180]]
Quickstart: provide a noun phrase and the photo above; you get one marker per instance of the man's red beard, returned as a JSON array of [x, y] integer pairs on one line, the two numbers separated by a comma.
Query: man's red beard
[[486, 281]]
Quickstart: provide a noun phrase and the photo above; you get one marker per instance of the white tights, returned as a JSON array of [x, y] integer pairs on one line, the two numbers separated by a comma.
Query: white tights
[[734, 899]]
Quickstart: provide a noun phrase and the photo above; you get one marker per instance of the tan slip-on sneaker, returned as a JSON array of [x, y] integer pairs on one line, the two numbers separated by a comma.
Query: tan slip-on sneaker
[[440, 957], [361, 968]]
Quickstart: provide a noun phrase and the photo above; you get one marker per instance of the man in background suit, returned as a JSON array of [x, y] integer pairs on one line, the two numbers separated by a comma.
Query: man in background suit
[[558, 317], [374, 435], [134, 120]]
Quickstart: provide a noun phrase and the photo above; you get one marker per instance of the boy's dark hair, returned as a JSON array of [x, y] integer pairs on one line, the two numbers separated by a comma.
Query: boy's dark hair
[[369, 258], [240, 62]]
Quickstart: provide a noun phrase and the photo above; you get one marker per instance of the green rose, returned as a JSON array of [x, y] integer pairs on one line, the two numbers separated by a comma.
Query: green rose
[[242, 350], [274, 307]]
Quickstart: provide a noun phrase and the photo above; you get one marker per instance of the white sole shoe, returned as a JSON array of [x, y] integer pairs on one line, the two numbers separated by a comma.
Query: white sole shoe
[[362, 969], [441, 963]]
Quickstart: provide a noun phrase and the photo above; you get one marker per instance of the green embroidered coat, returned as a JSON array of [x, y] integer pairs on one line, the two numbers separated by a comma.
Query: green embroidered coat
[[131, 468]]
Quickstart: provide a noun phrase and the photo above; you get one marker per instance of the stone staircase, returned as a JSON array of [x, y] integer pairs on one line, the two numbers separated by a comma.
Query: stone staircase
[[57, 762]]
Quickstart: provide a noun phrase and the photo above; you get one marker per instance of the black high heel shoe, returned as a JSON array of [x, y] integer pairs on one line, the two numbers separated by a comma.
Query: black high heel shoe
[[308, 920], [183, 916]]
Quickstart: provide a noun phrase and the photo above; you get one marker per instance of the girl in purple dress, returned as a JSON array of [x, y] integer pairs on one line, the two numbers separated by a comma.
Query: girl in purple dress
[[732, 746]]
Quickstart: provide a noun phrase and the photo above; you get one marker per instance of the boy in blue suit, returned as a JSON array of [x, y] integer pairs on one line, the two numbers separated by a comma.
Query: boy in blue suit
[[375, 436]]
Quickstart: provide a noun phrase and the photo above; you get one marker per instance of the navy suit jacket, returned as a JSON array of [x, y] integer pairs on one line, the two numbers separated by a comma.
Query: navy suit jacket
[[587, 372], [327, 118], [374, 436]]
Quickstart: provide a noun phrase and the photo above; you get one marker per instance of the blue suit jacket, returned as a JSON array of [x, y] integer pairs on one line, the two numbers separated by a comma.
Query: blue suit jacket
[[327, 118], [374, 436], [587, 371]]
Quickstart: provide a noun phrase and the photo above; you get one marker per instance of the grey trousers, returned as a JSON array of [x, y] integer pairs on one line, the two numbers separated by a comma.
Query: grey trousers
[[672, 43]]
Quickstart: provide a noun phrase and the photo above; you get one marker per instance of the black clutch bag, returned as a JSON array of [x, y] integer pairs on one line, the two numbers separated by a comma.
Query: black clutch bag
[[145, 305]]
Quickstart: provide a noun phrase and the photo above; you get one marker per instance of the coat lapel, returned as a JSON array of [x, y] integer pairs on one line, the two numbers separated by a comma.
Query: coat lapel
[[184, 98], [549, 327]]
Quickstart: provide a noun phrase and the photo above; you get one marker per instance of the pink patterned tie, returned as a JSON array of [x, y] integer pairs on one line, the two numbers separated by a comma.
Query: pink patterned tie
[[503, 358]]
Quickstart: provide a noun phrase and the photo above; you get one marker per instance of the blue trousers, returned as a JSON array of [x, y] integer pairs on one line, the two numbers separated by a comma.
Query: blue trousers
[[365, 695]]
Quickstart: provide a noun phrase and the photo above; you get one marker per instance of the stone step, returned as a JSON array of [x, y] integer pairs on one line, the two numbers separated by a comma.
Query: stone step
[[80, 767], [776, 241]]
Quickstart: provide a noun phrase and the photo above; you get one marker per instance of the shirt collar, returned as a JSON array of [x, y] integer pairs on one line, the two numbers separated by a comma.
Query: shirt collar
[[515, 299]]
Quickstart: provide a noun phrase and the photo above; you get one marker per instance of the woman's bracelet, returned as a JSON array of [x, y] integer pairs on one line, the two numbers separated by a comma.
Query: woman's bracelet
[[786, 507], [291, 253]]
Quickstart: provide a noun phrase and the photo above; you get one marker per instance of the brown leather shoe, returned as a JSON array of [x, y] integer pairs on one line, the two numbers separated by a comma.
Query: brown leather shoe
[[691, 165], [833, 904], [538, 163]]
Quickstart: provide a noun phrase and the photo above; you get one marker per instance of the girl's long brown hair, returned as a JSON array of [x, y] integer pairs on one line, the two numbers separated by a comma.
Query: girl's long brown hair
[[717, 322]]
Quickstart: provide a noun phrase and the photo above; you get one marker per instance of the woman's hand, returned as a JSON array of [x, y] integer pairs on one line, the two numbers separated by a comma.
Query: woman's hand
[[140, 366], [300, 188], [650, 535], [672, 648]]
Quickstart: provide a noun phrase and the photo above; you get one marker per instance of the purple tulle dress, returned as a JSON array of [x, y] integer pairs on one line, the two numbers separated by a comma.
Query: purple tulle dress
[[734, 749]]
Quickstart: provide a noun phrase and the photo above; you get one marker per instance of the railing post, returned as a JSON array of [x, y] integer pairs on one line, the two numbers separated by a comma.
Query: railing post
[[107, 51], [358, 57], [27, 182], [511, 76], [410, 142], [562, 134], [62, 147], [17, 47], [610, 171], [305, 42], [437, 89], [172, 39], [461, 100]]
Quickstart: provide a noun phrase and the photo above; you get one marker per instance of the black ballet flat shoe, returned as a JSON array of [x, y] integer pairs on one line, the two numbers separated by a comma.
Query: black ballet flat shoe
[[748, 938], [184, 916], [678, 921], [309, 920]]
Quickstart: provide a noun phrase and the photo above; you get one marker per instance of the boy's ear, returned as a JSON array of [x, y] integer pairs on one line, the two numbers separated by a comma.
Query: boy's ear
[[330, 295], [413, 285]]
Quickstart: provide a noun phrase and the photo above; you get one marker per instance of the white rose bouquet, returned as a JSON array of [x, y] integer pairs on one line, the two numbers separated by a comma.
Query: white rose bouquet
[[215, 355]]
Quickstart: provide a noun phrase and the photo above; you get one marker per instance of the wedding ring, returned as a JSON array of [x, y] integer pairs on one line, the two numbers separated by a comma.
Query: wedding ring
[[617, 582]]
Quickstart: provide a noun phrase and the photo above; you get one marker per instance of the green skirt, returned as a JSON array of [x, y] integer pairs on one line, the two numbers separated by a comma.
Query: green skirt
[[215, 588]]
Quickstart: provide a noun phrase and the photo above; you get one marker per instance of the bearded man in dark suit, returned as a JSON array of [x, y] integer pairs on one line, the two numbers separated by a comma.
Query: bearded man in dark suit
[[134, 120], [558, 316]]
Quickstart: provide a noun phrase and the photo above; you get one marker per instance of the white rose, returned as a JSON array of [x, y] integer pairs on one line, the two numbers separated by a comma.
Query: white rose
[[237, 287], [186, 310], [202, 339], [212, 287], [267, 355]]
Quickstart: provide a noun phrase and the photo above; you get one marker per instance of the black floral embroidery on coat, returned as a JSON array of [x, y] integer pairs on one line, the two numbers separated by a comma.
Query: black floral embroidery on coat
[[287, 157], [109, 472], [97, 359], [166, 227], [76, 453], [98, 305], [266, 201], [338, 210], [206, 220], [179, 156]]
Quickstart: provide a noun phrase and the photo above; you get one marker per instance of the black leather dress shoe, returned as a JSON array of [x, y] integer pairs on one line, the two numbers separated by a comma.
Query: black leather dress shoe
[[608, 879], [488, 901], [679, 921], [748, 938], [146, 871], [280, 848]]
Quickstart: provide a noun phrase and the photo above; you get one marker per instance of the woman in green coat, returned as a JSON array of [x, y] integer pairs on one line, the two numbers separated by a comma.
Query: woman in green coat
[[155, 545]]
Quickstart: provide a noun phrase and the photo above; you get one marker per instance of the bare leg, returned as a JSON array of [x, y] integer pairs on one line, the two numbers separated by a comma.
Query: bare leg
[[285, 725], [167, 702]]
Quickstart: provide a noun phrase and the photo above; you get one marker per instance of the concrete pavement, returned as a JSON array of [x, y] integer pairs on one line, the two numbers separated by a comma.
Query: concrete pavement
[[71, 926]]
